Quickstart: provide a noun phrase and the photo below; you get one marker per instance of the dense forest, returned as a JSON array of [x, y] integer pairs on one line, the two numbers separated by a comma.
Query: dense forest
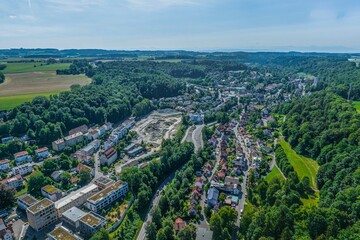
[[325, 127]]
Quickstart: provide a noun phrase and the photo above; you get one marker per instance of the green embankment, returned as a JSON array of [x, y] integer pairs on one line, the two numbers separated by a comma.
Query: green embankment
[[9, 102], [302, 165], [274, 173], [33, 67], [357, 105]]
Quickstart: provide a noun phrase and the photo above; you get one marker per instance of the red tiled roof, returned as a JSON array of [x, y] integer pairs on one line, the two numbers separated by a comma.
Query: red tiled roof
[[20, 154], [179, 224], [42, 149], [81, 166], [5, 161], [108, 153]]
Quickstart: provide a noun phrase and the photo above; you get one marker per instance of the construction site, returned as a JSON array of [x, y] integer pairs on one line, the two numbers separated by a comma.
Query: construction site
[[159, 125]]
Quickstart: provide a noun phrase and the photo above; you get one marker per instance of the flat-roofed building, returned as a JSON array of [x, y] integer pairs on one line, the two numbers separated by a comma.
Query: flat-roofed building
[[107, 196], [51, 193], [62, 233], [74, 139], [103, 182], [41, 214], [72, 217], [59, 144], [76, 198], [90, 223], [26, 201]]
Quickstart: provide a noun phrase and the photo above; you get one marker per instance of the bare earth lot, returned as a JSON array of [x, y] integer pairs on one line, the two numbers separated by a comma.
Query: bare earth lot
[[158, 125], [39, 82]]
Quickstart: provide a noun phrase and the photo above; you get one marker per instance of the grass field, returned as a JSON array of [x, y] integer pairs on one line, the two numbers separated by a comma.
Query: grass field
[[274, 173], [357, 105], [302, 165], [29, 67], [23, 87], [9, 102]]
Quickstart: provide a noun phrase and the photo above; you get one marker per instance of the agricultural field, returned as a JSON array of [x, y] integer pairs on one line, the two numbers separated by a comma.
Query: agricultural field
[[23, 87], [33, 67], [302, 165], [357, 105], [274, 173]]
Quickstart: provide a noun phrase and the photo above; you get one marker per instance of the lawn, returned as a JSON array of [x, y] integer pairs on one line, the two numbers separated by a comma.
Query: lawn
[[302, 165], [357, 105], [274, 173], [22, 191], [23, 87], [33, 67], [311, 200]]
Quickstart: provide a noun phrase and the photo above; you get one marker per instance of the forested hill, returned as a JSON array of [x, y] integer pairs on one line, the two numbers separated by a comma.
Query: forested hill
[[326, 127]]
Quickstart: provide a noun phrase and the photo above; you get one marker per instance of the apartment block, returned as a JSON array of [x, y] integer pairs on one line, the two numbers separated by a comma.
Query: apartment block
[[62, 233], [41, 214], [51, 193], [26, 201], [22, 169], [90, 223]]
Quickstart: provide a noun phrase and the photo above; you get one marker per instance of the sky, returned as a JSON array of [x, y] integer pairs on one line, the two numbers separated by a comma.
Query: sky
[[200, 25]]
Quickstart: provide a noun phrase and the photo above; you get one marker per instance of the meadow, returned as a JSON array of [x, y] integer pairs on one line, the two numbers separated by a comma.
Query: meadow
[[357, 105], [33, 67], [302, 165], [274, 173]]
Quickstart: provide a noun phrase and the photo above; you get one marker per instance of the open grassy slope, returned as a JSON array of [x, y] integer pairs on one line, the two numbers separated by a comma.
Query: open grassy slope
[[33, 67], [357, 105], [274, 173], [302, 165], [9, 102]]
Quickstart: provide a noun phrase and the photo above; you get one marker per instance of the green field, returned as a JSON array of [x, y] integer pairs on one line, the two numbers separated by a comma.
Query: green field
[[357, 105], [274, 173], [29, 67], [302, 165], [9, 102]]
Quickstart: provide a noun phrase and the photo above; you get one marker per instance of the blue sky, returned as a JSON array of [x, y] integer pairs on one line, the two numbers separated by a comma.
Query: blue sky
[[303, 25]]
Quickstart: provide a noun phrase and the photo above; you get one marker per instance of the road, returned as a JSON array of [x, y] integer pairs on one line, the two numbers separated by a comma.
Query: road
[[155, 202], [197, 137], [98, 172]]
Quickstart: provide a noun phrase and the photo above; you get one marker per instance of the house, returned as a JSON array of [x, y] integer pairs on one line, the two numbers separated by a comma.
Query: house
[[22, 157], [82, 166], [4, 165], [5, 232], [108, 126], [56, 175], [107, 196], [51, 193], [213, 195], [74, 180], [94, 134], [88, 150], [82, 157], [130, 147], [26, 201], [108, 157], [90, 223], [196, 118], [199, 184], [23, 169], [179, 224], [62, 233], [15, 182], [42, 153], [74, 139], [72, 217], [7, 139], [59, 144]]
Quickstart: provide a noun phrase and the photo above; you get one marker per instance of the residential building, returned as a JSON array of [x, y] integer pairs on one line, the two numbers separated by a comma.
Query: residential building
[[179, 224], [4, 165], [108, 157], [88, 150], [107, 196], [41, 214], [26, 201], [62, 233], [56, 175], [42, 153], [135, 151], [7, 139], [196, 118], [22, 169], [74, 139], [108, 126], [76, 198], [81, 166], [59, 144], [22, 157], [51, 193], [83, 129], [103, 182], [213, 195], [72, 217], [90, 223], [93, 134], [5, 232], [15, 182], [130, 147]]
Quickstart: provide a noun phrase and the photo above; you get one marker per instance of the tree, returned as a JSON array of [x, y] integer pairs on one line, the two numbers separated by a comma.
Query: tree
[[188, 233], [222, 198], [85, 176], [102, 234], [49, 166], [36, 182], [65, 179], [7, 196], [151, 231], [223, 222]]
